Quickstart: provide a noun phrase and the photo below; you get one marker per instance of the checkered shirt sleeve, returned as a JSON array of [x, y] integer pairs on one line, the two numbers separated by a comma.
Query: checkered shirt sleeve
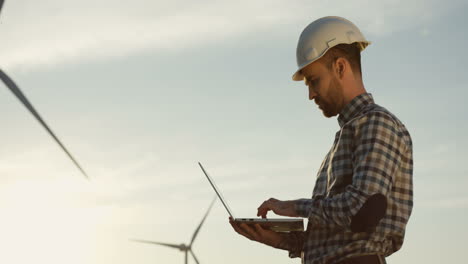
[[377, 154]]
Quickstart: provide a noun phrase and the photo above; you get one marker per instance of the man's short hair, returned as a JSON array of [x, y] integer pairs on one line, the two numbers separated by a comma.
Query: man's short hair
[[350, 52]]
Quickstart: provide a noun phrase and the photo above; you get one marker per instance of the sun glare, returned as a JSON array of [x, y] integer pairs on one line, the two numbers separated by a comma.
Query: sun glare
[[47, 223]]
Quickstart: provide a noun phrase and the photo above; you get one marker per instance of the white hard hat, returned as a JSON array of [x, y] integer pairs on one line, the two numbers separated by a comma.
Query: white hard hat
[[321, 35]]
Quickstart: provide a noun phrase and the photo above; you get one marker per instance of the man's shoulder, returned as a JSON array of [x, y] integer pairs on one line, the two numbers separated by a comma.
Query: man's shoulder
[[376, 115], [376, 112], [379, 119]]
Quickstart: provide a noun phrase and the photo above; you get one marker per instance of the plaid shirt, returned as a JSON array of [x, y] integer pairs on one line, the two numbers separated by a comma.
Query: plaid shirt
[[371, 154]]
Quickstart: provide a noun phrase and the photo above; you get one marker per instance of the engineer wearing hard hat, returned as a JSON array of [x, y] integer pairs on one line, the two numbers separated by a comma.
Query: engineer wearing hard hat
[[363, 194]]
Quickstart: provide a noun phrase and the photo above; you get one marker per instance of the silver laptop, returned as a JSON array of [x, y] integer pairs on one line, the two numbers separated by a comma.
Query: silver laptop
[[275, 224]]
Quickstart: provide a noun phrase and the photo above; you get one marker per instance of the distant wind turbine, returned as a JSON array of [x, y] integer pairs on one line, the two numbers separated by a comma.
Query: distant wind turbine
[[17, 92], [182, 247]]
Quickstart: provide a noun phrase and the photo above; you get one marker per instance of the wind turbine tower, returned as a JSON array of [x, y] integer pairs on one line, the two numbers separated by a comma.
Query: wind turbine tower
[[183, 247]]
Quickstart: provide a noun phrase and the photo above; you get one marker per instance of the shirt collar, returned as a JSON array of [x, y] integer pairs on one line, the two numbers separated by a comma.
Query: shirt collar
[[353, 108]]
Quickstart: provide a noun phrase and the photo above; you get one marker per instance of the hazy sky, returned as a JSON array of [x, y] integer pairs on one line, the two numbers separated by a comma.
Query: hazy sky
[[139, 91]]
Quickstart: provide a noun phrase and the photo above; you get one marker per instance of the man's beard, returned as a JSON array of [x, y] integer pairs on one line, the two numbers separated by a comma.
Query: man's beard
[[333, 104]]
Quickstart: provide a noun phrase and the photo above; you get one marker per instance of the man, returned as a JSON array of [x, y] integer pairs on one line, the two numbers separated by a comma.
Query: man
[[363, 194]]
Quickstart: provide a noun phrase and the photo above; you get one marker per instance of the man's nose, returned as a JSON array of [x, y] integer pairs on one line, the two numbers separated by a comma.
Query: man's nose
[[312, 94]]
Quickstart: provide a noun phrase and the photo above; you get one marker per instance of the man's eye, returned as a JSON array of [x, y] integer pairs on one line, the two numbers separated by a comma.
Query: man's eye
[[312, 82]]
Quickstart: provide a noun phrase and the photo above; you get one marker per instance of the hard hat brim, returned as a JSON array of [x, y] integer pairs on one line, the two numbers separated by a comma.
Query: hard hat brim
[[298, 76]]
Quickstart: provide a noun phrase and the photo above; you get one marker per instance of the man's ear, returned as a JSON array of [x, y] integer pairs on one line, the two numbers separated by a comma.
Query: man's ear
[[340, 66]]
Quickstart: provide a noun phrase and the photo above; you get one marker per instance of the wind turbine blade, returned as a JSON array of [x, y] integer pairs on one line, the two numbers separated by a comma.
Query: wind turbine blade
[[17, 92], [201, 223], [195, 258], [1, 4], [157, 243]]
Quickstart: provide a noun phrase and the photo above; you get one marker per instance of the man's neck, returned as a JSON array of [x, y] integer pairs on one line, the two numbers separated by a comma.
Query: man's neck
[[354, 89]]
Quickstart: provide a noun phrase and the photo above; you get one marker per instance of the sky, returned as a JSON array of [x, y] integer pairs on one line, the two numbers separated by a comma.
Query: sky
[[140, 91]]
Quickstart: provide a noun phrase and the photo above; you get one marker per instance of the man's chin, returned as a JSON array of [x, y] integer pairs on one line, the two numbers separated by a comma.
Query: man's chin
[[328, 114]]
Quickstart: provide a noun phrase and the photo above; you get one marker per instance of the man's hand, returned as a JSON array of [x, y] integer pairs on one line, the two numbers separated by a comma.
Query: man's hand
[[257, 233], [284, 208]]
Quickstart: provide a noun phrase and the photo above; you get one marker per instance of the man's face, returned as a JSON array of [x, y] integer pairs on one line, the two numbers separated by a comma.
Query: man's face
[[324, 88]]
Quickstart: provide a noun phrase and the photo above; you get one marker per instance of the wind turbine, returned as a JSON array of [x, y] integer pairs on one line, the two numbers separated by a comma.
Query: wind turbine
[[182, 247], [17, 92]]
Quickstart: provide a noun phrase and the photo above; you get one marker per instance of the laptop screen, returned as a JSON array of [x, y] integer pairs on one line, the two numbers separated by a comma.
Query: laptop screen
[[217, 191]]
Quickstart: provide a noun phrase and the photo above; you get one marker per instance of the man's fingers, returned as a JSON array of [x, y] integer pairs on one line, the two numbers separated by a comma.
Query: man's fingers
[[239, 230], [266, 206], [244, 230], [250, 232], [263, 209], [262, 213], [259, 229]]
